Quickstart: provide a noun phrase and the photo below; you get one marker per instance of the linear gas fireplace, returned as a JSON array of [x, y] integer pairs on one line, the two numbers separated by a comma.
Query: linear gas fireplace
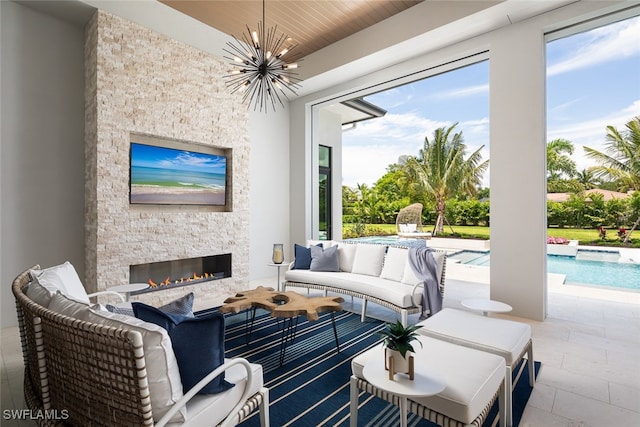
[[180, 272]]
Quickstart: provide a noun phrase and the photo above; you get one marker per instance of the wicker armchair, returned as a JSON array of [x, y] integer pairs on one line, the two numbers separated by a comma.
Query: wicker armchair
[[409, 222], [80, 373]]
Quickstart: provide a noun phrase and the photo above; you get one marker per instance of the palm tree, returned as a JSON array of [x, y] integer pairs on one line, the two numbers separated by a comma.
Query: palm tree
[[442, 171], [621, 159], [587, 178], [558, 160]]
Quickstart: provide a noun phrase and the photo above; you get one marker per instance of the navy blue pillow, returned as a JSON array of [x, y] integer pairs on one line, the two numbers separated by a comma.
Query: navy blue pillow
[[198, 344], [302, 255]]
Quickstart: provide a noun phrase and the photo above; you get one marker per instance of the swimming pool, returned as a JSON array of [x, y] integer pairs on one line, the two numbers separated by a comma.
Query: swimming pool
[[390, 240], [600, 268]]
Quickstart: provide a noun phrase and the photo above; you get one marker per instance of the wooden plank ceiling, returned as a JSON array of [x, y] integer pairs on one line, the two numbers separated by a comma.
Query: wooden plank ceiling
[[311, 24]]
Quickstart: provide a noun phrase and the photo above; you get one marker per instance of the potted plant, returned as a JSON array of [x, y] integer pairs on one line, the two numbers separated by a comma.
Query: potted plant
[[397, 343]]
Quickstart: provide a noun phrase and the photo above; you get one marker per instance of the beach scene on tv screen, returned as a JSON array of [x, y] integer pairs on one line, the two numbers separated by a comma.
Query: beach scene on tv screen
[[162, 175]]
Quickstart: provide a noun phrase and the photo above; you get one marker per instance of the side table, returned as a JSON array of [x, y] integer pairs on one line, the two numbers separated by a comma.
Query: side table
[[279, 266], [486, 306], [127, 289], [426, 383]]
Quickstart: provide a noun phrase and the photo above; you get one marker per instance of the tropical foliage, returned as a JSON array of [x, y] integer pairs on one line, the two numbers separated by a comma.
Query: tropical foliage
[[620, 160], [441, 171], [447, 183]]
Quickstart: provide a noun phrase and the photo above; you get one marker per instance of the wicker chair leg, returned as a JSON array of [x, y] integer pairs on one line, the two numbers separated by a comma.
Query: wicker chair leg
[[264, 408], [353, 413]]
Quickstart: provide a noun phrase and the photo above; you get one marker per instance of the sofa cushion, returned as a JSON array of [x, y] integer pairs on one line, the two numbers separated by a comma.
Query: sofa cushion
[[324, 259], [393, 292], [368, 259], [505, 338], [472, 377], [63, 278], [346, 255], [204, 409], [64, 305], [198, 344], [163, 375], [394, 263]]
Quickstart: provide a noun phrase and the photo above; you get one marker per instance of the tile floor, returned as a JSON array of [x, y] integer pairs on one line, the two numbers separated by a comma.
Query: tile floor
[[589, 347]]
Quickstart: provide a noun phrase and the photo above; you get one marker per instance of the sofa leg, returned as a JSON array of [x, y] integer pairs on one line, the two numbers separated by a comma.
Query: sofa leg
[[353, 412], [264, 408], [405, 317], [364, 309]]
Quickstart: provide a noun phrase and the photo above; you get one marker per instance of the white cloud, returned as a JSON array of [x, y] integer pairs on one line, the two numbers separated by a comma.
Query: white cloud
[[605, 44], [373, 145], [462, 92], [592, 133]]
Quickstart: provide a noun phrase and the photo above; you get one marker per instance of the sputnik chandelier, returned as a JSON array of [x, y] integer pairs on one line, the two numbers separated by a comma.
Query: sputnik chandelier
[[259, 71]]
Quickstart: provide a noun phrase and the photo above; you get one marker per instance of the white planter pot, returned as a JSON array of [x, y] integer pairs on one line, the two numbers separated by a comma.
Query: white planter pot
[[395, 363]]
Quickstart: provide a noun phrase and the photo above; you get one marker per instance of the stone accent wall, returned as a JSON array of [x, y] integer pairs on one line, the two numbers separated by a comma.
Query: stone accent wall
[[138, 81]]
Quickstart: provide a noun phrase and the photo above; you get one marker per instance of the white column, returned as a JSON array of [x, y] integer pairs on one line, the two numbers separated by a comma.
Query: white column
[[518, 169]]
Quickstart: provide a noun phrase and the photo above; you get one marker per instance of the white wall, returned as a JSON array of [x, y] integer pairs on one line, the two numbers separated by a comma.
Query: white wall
[[518, 138], [269, 190], [42, 152], [330, 135]]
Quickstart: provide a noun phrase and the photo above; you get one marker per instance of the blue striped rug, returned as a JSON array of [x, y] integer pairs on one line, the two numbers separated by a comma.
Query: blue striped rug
[[311, 388]]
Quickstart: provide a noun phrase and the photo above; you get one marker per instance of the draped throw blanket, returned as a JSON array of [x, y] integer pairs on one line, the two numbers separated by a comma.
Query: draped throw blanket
[[424, 267]]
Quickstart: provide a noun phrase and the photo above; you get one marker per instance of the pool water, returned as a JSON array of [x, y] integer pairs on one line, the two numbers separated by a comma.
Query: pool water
[[390, 240], [598, 268]]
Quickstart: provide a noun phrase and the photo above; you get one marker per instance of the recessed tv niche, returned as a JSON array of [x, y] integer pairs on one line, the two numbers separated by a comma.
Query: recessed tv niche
[[175, 176]]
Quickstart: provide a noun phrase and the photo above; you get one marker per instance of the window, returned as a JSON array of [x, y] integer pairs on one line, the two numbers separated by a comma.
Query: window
[[324, 192]]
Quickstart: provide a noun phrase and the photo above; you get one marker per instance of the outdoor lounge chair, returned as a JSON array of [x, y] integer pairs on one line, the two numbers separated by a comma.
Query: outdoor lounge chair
[[409, 223]]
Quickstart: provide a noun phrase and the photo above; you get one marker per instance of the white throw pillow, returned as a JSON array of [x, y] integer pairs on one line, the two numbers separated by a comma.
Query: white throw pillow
[[346, 256], [408, 276], [165, 385], [394, 264], [62, 304], [368, 259], [63, 278], [39, 294]]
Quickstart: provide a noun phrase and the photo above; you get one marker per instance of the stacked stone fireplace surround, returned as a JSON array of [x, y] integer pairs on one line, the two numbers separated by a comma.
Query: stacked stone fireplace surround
[[140, 82]]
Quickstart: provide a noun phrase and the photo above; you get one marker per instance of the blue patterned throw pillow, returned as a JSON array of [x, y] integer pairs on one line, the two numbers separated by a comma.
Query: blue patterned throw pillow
[[182, 306]]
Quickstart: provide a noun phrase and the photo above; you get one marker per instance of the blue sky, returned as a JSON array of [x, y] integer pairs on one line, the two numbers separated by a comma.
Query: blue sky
[[593, 80], [167, 158]]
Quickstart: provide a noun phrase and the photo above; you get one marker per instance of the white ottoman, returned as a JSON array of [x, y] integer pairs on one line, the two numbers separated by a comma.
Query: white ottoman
[[474, 379], [505, 338]]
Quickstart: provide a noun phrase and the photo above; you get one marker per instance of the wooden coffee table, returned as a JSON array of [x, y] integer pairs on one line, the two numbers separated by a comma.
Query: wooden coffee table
[[288, 306]]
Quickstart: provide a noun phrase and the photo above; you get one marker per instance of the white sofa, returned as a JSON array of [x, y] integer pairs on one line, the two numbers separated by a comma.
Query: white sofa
[[87, 366], [372, 272]]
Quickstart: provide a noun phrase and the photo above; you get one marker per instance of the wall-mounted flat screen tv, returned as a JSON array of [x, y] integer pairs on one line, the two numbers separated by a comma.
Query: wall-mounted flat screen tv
[[169, 176]]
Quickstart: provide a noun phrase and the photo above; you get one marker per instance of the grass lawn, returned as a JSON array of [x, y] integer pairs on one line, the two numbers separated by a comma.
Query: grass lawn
[[584, 236]]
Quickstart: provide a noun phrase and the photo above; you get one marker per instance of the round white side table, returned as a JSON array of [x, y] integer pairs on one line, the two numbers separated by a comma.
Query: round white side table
[[486, 306], [127, 289], [279, 266], [425, 383]]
